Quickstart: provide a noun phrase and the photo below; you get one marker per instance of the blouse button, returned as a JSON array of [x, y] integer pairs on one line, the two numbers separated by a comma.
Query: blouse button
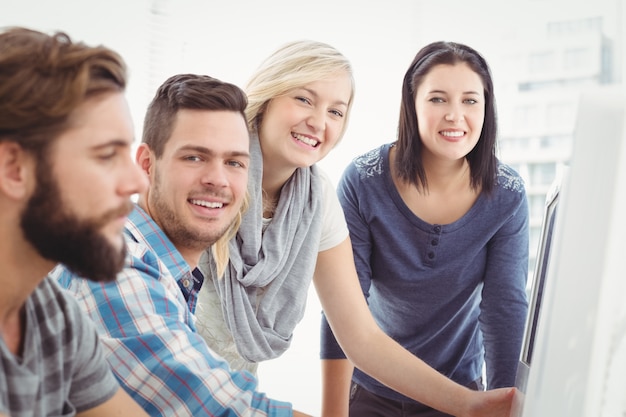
[[431, 255], [186, 283], [434, 242], [437, 229]]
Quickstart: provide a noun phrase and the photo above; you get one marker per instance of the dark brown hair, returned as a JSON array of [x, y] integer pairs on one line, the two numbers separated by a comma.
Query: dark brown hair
[[44, 78], [482, 159], [187, 91]]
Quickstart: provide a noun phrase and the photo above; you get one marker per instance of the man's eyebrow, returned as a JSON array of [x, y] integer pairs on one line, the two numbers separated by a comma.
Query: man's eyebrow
[[207, 151], [118, 143]]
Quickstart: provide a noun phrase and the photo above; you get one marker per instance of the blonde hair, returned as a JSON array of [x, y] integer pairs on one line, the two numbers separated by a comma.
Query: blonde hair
[[293, 65], [219, 249]]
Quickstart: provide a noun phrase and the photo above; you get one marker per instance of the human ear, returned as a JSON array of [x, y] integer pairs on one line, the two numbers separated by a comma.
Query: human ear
[[17, 169], [145, 159]]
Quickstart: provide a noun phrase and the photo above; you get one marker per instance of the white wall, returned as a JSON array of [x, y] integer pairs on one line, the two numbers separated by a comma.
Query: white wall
[[228, 39]]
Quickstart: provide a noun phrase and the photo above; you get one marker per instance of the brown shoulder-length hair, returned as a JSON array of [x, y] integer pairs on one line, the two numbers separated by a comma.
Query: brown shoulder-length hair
[[44, 78], [482, 159]]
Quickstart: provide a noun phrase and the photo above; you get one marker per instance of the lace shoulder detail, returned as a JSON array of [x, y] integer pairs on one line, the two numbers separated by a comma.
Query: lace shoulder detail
[[369, 164], [509, 179]]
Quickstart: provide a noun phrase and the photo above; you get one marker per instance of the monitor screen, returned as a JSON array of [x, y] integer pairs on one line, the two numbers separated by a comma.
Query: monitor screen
[[538, 283], [540, 272]]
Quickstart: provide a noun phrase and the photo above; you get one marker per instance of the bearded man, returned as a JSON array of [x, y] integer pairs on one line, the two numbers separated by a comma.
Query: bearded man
[[66, 179]]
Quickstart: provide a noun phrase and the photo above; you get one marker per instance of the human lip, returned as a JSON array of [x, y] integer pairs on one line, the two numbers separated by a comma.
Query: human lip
[[211, 204], [119, 222], [114, 228], [452, 134], [117, 216], [307, 140]]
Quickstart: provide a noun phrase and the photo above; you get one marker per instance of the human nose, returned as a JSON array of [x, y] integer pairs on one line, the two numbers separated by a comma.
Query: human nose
[[455, 114], [215, 174], [317, 120], [134, 179]]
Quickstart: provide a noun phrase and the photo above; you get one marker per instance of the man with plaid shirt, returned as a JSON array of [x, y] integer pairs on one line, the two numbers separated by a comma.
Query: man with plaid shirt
[[195, 151]]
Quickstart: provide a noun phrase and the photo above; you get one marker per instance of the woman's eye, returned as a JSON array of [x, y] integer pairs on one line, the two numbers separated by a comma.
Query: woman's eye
[[303, 99], [471, 101], [436, 100], [337, 113]]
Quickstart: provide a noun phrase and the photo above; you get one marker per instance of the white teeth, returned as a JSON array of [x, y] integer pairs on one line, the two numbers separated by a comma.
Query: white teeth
[[304, 139], [208, 204], [455, 134]]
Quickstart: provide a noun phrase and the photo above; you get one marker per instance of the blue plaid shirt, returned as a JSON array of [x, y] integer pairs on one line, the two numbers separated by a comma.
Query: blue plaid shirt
[[146, 322]]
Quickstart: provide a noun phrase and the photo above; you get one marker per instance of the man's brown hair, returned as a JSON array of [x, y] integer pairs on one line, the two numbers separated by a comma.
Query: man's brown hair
[[44, 78]]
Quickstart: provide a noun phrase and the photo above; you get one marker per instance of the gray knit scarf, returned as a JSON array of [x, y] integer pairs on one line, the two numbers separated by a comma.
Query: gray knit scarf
[[265, 286]]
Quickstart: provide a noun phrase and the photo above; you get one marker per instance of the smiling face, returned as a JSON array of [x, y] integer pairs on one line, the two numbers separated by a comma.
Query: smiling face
[[300, 127], [78, 209], [199, 183], [450, 107]]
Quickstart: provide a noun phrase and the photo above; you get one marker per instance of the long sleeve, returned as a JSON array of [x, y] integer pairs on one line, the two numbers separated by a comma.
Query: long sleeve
[[152, 346], [452, 294], [504, 304]]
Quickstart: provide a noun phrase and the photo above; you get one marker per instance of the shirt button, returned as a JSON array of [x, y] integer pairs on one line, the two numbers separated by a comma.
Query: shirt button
[[437, 229], [186, 283], [431, 255], [434, 242]]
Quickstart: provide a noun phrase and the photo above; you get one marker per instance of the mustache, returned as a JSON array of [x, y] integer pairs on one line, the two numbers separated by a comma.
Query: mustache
[[205, 195], [121, 211]]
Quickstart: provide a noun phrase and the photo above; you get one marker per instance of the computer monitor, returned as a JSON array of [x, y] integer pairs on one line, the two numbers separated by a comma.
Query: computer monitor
[[573, 361], [538, 281]]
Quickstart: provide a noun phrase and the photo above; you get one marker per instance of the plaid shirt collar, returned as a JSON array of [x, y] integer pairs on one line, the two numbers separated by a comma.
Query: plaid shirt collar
[[140, 227]]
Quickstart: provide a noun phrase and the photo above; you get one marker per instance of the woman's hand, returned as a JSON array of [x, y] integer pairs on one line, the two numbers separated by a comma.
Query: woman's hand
[[492, 403]]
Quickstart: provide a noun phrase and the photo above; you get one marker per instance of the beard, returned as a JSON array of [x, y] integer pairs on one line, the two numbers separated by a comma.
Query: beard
[[61, 236], [181, 235]]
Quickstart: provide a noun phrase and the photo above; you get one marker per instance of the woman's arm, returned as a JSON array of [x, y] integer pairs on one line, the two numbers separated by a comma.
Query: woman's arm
[[378, 355], [504, 306], [336, 378], [336, 369]]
